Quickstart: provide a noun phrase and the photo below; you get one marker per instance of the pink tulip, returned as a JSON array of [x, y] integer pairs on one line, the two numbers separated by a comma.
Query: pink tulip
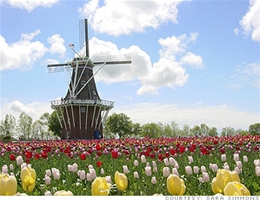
[[239, 164], [143, 159], [47, 193], [195, 169], [154, 164], [172, 161], [175, 171], [19, 160], [4, 169], [166, 172], [166, 161], [125, 169], [153, 180], [136, 175], [74, 167], [188, 170], [47, 180], [48, 172], [205, 177], [236, 157], [203, 168], [245, 159], [190, 159], [223, 157], [136, 163], [148, 171], [214, 167], [108, 179]]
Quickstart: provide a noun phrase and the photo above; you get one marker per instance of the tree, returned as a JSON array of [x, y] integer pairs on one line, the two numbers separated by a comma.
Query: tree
[[54, 124], [204, 129], [196, 130], [213, 131], [175, 129], [7, 127], [37, 129], [254, 129], [186, 130], [151, 130], [136, 129], [228, 131], [25, 125], [167, 131], [119, 124]]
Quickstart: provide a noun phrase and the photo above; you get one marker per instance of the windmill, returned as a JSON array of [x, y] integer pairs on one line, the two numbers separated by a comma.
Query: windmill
[[82, 113]]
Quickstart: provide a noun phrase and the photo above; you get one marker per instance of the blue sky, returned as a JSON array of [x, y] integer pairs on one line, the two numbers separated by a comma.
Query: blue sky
[[193, 62]]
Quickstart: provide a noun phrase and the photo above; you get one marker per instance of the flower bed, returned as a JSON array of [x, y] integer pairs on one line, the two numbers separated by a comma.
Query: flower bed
[[167, 166]]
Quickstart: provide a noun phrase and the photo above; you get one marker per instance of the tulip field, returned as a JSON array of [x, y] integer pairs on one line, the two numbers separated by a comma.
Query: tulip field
[[193, 166]]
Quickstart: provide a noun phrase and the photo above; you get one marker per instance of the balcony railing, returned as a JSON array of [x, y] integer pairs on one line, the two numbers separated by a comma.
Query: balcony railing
[[66, 102]]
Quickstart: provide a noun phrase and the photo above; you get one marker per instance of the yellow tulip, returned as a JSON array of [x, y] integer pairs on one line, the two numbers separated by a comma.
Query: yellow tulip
[[236, 189], [222, 178], [100, 186], [121, 181], [175, 185], [8, 185], [28, 177], [63, 193]]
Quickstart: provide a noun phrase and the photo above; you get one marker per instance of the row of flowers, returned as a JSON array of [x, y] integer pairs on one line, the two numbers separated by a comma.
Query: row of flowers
[[164, 166]]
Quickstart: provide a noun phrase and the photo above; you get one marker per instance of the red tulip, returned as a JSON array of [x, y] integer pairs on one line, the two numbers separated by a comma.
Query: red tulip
[[12, 157], [222, 150], [182, 149], [172, 151], [83, 156], [99, 163], [98, 147], [28, 154], [44, 154], [192, 147], [37, 156], [204, 151], [114, 153]]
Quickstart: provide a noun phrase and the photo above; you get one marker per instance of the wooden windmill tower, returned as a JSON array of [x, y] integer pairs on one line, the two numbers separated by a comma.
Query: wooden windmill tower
[[82, 113]]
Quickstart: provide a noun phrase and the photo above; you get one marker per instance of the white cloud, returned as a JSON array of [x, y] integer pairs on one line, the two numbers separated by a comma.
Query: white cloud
[[17, 106], [57, 45], [246, 74], [22, 54], [250, 21], [123, 17], [192, 60], [33, 109], [30, 5], [218, 116], [166, 72]]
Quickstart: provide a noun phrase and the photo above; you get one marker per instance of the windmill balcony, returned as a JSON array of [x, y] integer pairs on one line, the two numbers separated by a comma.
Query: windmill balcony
[[87, 102]]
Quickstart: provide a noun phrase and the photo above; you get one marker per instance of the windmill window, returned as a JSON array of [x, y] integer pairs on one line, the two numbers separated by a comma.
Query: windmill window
[[83, 82], [83, 109], [94, 92]]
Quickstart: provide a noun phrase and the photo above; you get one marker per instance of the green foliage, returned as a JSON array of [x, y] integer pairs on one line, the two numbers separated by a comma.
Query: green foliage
[[25, 125], [7, 127], [54, 124], [119, 124], [254, 129], [151, 130]]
